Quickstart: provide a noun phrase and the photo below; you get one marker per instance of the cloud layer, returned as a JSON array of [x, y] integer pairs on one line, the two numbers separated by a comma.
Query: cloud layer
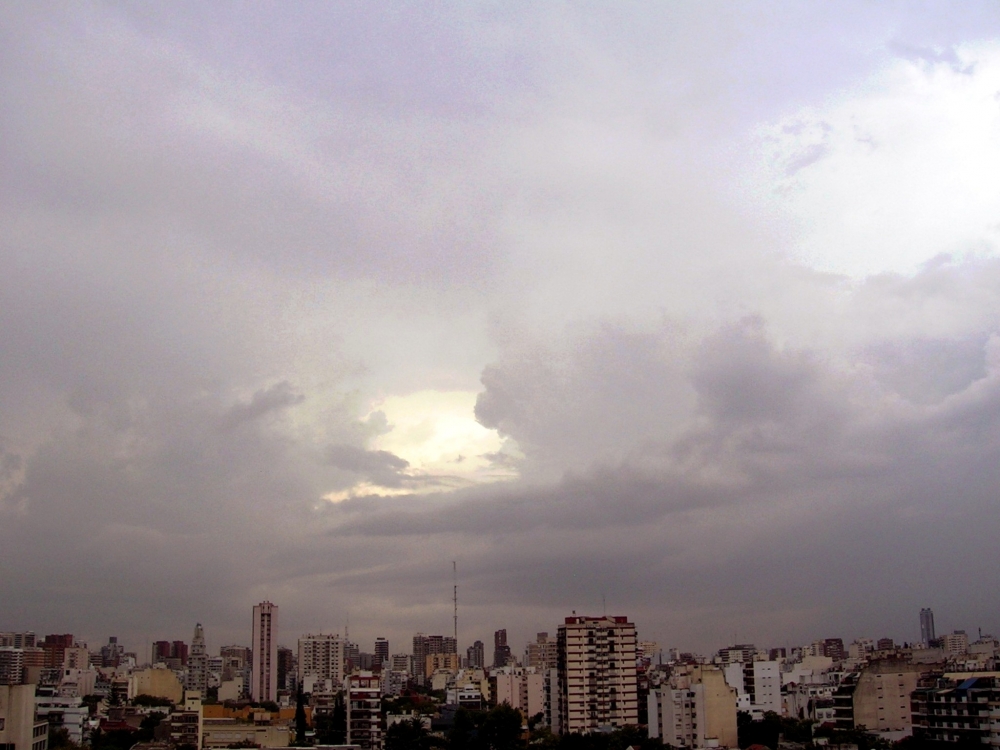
[[721, 287]]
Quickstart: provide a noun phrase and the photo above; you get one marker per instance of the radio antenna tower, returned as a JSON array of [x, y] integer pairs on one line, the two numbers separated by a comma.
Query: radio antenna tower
[[454, 596]]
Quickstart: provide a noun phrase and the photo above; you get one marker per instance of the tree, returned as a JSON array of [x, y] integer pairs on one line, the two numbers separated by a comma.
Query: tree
[[331, 728], [151, 700], [300, 719], [148, 725], [463, 730], [407, 735], [59, 740], [502, 728]]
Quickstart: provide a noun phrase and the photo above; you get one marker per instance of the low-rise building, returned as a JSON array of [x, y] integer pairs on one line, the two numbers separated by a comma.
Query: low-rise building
[[218, 733]]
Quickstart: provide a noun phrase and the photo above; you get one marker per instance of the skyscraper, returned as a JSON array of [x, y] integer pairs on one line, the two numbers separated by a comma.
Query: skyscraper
[[476, 654], [927, 626], [501, 651], [596, 674], [264, 682], [381, 652], [197, 666]]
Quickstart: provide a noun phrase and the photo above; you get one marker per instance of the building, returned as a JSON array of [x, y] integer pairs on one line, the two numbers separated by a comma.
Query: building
[[20, 729], [264, 645], [18, 640], [696, 708], [381, 652], [222, 733], [158, 682], [881, 698], [955, 643], [541, 654], [321, 656], [401, 663], [834, 649], [363, 698], [11, 665], [425, 645], [55, 647], [71, 714], [963, 712], [501, 651], [419, 658], [927, 635], [757, 685], [392, 681], [184, 725], [596, 674], [476, 655], [519, 687], [441, 663], [197, 665], [741, 652], [112, 653]]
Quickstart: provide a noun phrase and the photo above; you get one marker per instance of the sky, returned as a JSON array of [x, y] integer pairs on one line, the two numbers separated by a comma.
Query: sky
[[683, 311]]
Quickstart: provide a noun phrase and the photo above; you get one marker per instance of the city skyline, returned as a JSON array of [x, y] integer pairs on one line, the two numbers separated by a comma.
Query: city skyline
[[689, 311], [407, 643]]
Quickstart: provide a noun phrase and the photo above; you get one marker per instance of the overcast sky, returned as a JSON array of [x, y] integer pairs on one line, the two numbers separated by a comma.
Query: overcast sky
[[689, 308]]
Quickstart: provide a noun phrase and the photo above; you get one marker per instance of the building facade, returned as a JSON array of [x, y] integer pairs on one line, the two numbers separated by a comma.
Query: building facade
[[197, 666], [321, 655], [696, 708], [597, 674], [927, 634], [264, 639], [19, 727], [363, 698]]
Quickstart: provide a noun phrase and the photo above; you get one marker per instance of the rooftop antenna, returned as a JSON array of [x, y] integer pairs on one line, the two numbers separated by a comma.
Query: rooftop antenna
[[347, 627], [604, 604], [454, 597]]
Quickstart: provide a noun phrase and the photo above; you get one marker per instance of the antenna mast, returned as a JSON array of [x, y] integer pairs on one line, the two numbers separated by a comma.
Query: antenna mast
[[454, 596]]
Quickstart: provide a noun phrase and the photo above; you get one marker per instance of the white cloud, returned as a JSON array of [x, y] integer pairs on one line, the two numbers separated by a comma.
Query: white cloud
[[895, 171]]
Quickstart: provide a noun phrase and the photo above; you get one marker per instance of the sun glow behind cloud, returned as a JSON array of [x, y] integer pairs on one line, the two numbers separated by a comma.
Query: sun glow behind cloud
[[437, 434]]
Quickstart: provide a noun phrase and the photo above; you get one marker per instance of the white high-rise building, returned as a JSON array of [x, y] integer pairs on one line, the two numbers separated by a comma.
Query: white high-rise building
[[321, 656], [197, 666], [597, 675], [264, 644]]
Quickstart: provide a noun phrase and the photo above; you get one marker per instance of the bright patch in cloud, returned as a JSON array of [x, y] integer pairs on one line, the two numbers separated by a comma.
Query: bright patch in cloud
[[437, 434], [894, 173]]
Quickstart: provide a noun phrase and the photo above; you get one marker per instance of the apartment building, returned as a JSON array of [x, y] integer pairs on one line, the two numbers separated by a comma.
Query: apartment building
[[363, 698], [597, 674], [696, 708]]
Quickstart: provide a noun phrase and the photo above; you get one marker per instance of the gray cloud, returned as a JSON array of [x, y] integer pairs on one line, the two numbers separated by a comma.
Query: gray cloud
[[533, 204], [277, 396]]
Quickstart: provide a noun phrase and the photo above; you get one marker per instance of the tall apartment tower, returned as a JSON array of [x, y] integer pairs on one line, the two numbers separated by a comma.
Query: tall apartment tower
[[381, 652], [927, 626], [197, 663], [264, 680], [322, 655], [476, 654], [596, 674], [501, 651]]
